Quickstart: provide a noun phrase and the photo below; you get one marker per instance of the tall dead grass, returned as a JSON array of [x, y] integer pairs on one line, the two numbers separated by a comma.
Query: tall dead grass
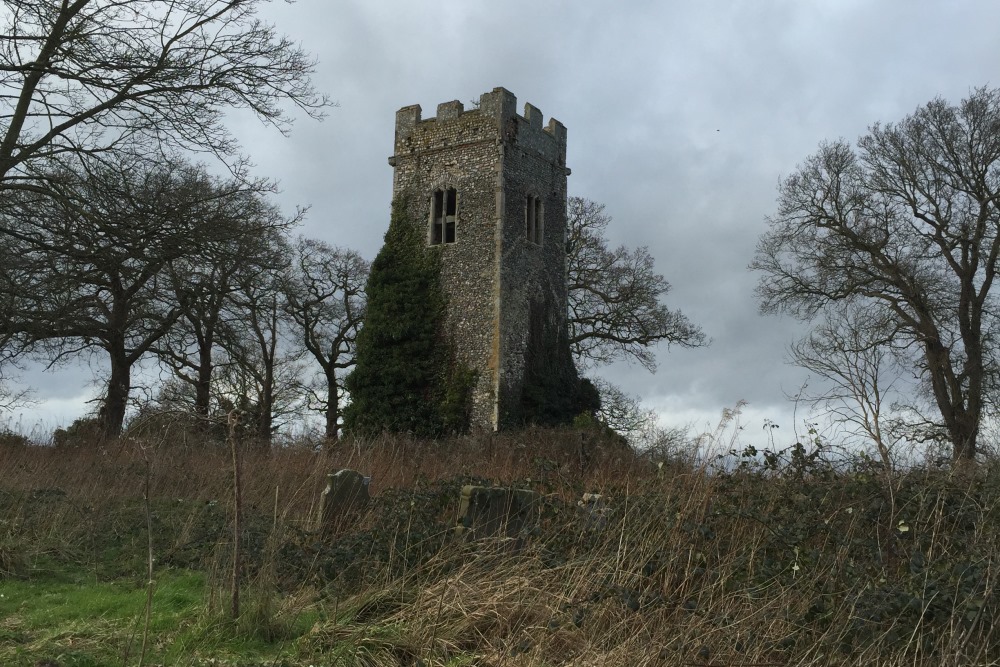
[[806, 563]]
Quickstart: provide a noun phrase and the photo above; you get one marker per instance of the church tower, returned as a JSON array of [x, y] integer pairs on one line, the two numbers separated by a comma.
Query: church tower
[[488, 188]]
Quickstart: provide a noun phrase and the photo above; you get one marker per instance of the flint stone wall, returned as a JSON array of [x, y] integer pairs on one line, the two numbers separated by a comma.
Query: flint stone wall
[[505, 292]]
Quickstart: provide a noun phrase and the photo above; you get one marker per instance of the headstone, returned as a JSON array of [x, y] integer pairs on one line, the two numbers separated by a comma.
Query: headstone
[[345, 496], [489, 512]]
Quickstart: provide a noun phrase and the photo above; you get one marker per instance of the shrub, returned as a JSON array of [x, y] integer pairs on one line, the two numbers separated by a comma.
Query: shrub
[[11, 439], [85, 431]]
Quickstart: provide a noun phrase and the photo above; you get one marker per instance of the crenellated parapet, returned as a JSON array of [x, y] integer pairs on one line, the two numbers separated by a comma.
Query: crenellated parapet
[[494, 118]]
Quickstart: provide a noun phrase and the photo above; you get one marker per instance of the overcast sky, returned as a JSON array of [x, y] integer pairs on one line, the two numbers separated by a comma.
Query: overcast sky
[[682, 117]]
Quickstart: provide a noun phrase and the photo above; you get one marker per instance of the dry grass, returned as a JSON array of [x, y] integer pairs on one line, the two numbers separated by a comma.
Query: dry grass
[[807, 564]]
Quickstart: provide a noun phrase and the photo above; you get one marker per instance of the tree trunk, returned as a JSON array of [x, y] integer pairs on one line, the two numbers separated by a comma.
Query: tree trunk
[[264, 421], [112, 414], [332, 408], [265, 416], [964, 433], [960, 414], [203, 387]]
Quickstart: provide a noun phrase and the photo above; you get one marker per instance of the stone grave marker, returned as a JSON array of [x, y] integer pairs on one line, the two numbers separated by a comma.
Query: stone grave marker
[[490, 512], [345, 496]]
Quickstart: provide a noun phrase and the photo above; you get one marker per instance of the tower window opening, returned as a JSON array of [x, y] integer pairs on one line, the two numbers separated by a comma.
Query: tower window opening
[[534, 220], [443, 215]]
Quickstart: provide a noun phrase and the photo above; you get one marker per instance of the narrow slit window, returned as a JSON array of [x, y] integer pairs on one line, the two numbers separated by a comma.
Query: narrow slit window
[[444, 212], [533, 220]]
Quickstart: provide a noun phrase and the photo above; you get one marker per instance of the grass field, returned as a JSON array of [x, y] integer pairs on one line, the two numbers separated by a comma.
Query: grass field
[[123, 556]]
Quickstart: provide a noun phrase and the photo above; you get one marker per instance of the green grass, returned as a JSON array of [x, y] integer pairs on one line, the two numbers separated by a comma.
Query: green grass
[[83, 622]]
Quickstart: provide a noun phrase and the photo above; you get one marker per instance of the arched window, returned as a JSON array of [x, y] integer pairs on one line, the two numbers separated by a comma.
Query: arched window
[[444, 208]]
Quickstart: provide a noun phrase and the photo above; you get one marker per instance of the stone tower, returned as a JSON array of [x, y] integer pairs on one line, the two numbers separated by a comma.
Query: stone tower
[[488, 186]]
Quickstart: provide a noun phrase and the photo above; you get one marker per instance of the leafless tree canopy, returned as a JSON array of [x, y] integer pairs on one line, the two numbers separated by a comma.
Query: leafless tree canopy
[[623, 412], [206, 284], [905, 224], [88, 268], [852, 350], [264, 373], [85, 77], [614, 296], [11, 395], [325, 298]]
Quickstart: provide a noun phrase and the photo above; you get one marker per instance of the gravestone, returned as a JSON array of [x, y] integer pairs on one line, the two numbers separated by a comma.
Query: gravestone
[[489, 512], [345, 496]]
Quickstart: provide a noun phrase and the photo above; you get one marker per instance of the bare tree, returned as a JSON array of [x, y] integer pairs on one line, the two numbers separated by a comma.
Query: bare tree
[[623, 412], [852, 351], [86, 77], [262, 375], [906, 226], [86, 263], [614, 296], [205, 285], [325, 297], [12, 395]]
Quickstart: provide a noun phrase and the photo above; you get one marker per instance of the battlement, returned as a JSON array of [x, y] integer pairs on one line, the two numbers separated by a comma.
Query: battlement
[[498, 105]]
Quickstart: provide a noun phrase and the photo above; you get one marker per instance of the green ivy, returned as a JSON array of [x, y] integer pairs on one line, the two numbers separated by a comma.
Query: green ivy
[[398, 384]]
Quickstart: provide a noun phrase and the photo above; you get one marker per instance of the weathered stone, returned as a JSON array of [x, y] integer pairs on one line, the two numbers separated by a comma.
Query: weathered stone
[[345, 496], [487, 512], [594, 509], [498, 180]]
